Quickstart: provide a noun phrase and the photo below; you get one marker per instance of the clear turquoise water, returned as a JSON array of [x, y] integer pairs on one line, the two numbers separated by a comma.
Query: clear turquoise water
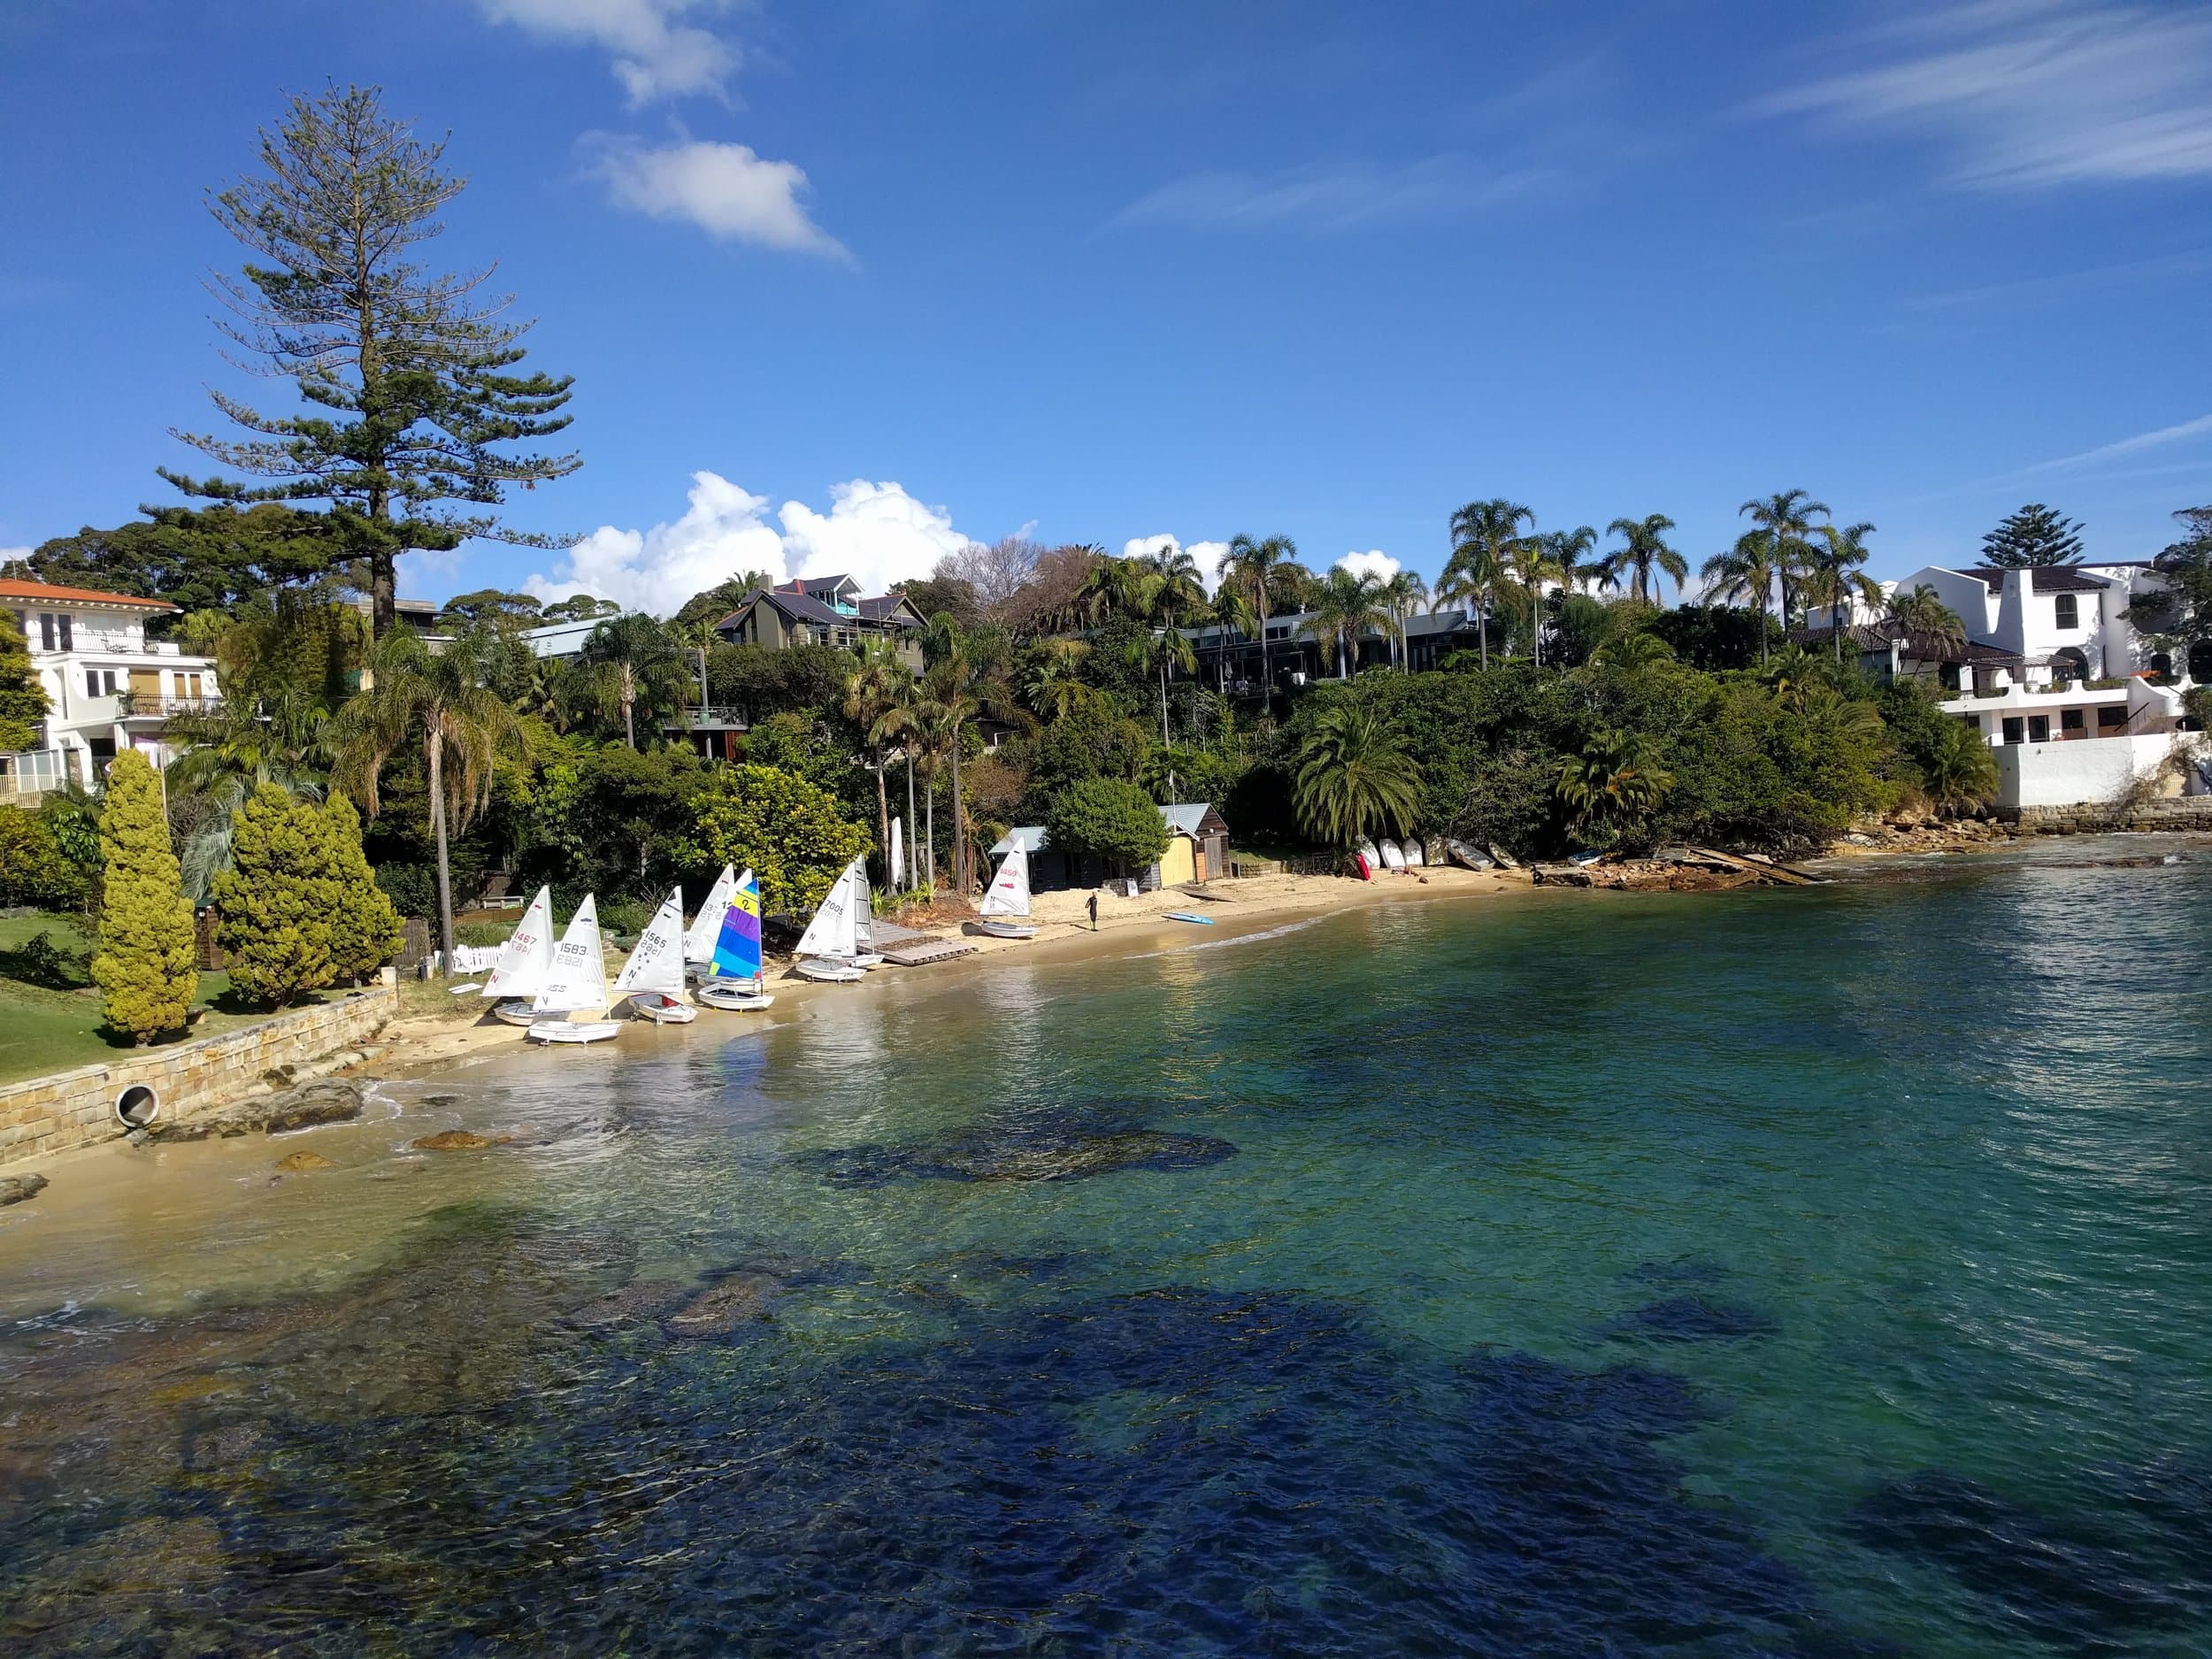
[[1811, 1272]]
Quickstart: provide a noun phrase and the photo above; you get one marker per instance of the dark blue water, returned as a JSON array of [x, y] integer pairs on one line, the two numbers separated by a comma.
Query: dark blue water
[[1810, 1272]]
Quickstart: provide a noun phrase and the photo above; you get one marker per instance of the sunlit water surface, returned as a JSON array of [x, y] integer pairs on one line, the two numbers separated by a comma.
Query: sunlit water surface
[[1819, 1272]]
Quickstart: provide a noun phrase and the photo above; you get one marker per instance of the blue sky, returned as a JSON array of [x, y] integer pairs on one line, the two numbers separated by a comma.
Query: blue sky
[[841, 283]]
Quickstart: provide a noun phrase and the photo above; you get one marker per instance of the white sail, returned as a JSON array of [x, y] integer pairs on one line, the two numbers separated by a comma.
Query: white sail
[[1010, 888], [897, 874], [527, 956], [657, 963], [579, 975], [831, 931], [864, 907], [706, 927]]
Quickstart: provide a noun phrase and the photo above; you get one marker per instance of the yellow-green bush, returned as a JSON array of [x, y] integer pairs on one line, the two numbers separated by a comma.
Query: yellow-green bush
[[145, 967], [279, 899]]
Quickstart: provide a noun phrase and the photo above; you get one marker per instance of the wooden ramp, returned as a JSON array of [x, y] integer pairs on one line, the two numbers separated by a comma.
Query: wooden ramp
[[921, 949]]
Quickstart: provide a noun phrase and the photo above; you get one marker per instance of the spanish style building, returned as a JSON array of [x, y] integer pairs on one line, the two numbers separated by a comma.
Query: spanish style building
[[107, 686]]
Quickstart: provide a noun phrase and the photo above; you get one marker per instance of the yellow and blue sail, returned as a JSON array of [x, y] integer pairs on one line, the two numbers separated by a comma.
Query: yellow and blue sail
[[737, 948]]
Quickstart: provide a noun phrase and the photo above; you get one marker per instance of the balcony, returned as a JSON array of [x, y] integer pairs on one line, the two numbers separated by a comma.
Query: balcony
[[149, 705], [26, 777], [711, 717]]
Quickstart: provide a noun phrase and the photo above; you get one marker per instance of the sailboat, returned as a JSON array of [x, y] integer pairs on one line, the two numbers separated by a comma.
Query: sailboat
[[864, 952], [653, 978], [829, 949], [524, 962], [577, 983], [733, 972], [1008, 897], [706, 927]]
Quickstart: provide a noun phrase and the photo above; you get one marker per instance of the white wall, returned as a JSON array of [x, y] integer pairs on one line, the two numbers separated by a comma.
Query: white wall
[[2074, 773]]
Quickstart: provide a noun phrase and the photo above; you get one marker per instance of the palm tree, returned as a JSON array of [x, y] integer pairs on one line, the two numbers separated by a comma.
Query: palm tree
[[1053, 686], [1794, 674], [956, 691], [628, 659], [1347, 606], [1647, 551], [1922, 614], [1529, 561], [924, 727], [1787, 516], [1482, 531], [1616, 779], [1161, 648], [1746, 571], [1353, 778], [1233, 611], [1958, 765], [1569, 549], [1833, 578], [229, 751], [1404, 593], [879, 688], [1254, 570], [463, 725], [1634, 651]]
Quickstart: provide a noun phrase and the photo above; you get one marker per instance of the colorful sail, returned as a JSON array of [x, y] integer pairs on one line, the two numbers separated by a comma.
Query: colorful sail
[[657, 963], [527, 956], [706, 927], [737, 950], [1010, 888]]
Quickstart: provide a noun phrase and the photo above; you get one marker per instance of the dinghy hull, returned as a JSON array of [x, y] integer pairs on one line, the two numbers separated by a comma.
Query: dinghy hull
[[574, 1031], [733, 996], [662, 1009]]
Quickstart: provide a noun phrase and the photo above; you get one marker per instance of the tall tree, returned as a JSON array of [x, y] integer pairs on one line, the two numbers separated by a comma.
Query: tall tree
[[1482, 533], [1647, 551], [2179, 614], [1529, 561], [1924, 615], [444, 701], [1836, 579], [1747, 571], [880, 688], [2034, 535], [408, 374], [628, 660], [147, 963], [1353, 778], [1157, 650], [1569, 551], [218, 559], [1786, 516], [279, 898], [1347, 606], [1255, 569], [1404, 593], [23, 701]]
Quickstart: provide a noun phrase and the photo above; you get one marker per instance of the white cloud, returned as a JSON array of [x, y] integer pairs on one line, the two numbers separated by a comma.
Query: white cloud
[[7, 553], [1334, 195], [725, 190], [877, 533], [1374, 562], [1205, 555], [656, 55], [2038, 92]]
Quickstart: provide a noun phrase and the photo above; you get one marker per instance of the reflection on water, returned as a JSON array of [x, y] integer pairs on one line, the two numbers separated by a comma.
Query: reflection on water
[[1819, 1272]]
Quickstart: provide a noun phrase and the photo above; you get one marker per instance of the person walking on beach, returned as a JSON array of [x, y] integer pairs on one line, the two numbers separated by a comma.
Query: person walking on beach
[[1093, 912]]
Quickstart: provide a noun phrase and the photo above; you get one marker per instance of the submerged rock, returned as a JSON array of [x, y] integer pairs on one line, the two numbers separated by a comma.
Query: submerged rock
[[15, 1188], [737, 1299], [640, 1300], [453, 1141], [1047, 1155], [329, 1101], [1693, 1319], [300, 1162]]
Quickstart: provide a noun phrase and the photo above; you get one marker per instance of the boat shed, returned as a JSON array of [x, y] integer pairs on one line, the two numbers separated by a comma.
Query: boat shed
[[1197, 851]]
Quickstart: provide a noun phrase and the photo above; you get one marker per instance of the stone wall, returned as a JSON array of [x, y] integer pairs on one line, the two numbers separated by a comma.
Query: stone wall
[[74, 1108], [2190, 812]]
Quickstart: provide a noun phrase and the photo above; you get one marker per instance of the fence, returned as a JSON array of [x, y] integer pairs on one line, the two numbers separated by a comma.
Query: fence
[[1302, 865]]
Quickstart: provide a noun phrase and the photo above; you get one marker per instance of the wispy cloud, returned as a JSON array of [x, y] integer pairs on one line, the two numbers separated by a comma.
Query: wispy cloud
[[2064, 284], [724, 189], [2088, 466], [2028, 93], [2141, 440], [1334, 196], [654, 51]]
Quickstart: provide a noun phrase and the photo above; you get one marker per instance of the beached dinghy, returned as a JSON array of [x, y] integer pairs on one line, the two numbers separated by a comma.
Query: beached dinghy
[[734, 982], [576, 984], [706, 927], [524, 960], [1473, 857], [1394, 856], [828, 948], [653, 978], [1411, 846], [1005, 908]]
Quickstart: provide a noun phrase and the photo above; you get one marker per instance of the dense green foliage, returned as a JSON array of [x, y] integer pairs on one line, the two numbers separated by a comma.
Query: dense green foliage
[[365, 927], [214, 559], [146, 967], [33, 868], [22, 699], [1104, 819], [1355, 778], [791, 834], [2033, 535], [281, 899]]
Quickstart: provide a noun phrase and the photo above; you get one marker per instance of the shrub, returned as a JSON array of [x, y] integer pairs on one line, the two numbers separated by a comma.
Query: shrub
[[39, 961], [146, 966], [279, 899], [1103, 818], [366, 931], [413, 888], [785, 828], [33, 870]]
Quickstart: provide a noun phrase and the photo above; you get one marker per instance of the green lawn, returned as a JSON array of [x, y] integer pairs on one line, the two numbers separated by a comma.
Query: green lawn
[[44, 1029]]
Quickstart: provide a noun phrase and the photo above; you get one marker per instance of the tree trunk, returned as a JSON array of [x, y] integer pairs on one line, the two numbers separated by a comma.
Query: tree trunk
[[629, 724], [1482, 628], [931, 807], [434, 753], [1164, 741], [911, 825], [883, 818], [959, 823], [383, 564]]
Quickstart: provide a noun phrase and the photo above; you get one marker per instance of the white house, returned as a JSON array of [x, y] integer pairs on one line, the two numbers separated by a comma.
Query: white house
[[2064, 622], [108, 687]]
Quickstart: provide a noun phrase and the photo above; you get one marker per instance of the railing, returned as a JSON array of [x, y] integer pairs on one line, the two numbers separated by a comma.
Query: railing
[[716, 714], [31, 774], [150, 704]]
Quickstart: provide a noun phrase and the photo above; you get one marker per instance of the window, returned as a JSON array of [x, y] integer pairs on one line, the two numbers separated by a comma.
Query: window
[[2012, 728], [45, 630], [67, 622], [2110, 720], [2068, 609], [2070, 723], [99, 682], [2038, 728]]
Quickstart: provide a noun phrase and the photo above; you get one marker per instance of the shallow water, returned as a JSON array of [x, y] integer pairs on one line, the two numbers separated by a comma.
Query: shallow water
[[1821, 1271]]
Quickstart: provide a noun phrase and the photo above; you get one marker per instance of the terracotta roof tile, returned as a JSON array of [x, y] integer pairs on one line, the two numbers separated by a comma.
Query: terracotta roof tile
[[53, 593]]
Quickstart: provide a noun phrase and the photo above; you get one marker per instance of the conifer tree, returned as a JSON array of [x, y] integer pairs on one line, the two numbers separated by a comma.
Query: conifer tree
[[2033, 536], [406, 372], [278, 899], [146, 966], [22, 699], [366, 930]]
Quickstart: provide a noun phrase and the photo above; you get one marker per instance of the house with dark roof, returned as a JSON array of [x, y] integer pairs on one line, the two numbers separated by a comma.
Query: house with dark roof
[[825, 611], [2063, 622]]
